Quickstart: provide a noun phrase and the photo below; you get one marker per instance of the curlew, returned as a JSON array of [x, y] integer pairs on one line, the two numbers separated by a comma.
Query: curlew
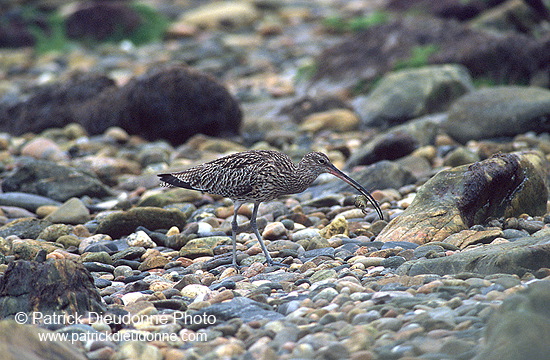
[[256, 176]]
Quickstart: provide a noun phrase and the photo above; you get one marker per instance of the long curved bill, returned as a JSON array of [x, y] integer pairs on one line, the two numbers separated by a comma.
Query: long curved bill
[[334, 171]]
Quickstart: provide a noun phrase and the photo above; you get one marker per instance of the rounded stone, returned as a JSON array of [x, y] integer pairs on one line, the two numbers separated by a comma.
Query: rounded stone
[[68, 241], [194, 290], [100, 257], [73, 211], [274, 231], [53, 232], [140, 239], [123, 270], [153, 262]]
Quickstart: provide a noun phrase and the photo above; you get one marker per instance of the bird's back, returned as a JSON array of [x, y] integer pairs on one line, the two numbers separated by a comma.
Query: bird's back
[[254, 175]]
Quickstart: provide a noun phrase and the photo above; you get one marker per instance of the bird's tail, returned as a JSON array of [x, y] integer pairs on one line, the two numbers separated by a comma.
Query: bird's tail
[[169, 180]]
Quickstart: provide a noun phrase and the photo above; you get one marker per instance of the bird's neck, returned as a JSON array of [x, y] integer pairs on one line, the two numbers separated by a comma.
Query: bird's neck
[[301, 180]]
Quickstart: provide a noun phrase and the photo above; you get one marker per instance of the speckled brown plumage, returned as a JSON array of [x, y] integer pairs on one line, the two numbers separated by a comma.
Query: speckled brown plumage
[[257, 176]]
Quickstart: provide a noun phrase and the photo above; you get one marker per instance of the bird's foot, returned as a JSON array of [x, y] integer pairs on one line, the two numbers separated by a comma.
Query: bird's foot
[[276, 263]]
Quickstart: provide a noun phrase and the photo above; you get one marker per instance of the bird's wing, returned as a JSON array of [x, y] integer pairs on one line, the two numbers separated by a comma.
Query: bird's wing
[[177, 180]]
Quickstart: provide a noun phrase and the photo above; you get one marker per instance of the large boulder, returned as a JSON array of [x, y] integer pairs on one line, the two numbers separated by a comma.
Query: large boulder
[[518, 257], [26, 342], [122, 223], [520, 328], [171, 103], [365, 56], [52, 181], [502, 111], [398, 141], [505, 185], [101, 21], [54, 286], [410, 93]]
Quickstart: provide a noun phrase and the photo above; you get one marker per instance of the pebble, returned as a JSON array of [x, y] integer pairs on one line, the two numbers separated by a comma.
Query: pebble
[[273, 231], [73, 211], [140, 239], [26, 201], [123, 270], [98, 267]]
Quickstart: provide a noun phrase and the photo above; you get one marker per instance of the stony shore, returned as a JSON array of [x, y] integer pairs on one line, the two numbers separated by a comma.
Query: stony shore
[[458, 269]]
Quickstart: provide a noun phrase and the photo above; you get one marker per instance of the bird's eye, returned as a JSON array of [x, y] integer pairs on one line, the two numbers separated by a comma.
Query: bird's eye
[[322, 161]]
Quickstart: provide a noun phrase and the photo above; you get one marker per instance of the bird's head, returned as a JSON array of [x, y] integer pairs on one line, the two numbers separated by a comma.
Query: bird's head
[[317, 163]]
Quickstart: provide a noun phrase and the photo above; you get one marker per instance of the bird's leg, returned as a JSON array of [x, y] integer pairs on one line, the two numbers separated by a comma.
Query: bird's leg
[[234, 228], [259, 237]]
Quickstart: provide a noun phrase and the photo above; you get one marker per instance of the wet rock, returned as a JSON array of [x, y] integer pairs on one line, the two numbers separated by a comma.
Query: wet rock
[[411, 93], [53, 181], [524, 315], [23, 342], [51, 286], [73, 211], [498, 112], [27, 201], [24, 228], [427, 250], [505, 185], [315, 251], [122, 223], [518, 257]]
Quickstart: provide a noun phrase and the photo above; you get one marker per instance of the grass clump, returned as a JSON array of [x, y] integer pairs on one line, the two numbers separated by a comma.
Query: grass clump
[[419, 57], [153, 28], [305, 72], [54, 37], [338, 24]]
